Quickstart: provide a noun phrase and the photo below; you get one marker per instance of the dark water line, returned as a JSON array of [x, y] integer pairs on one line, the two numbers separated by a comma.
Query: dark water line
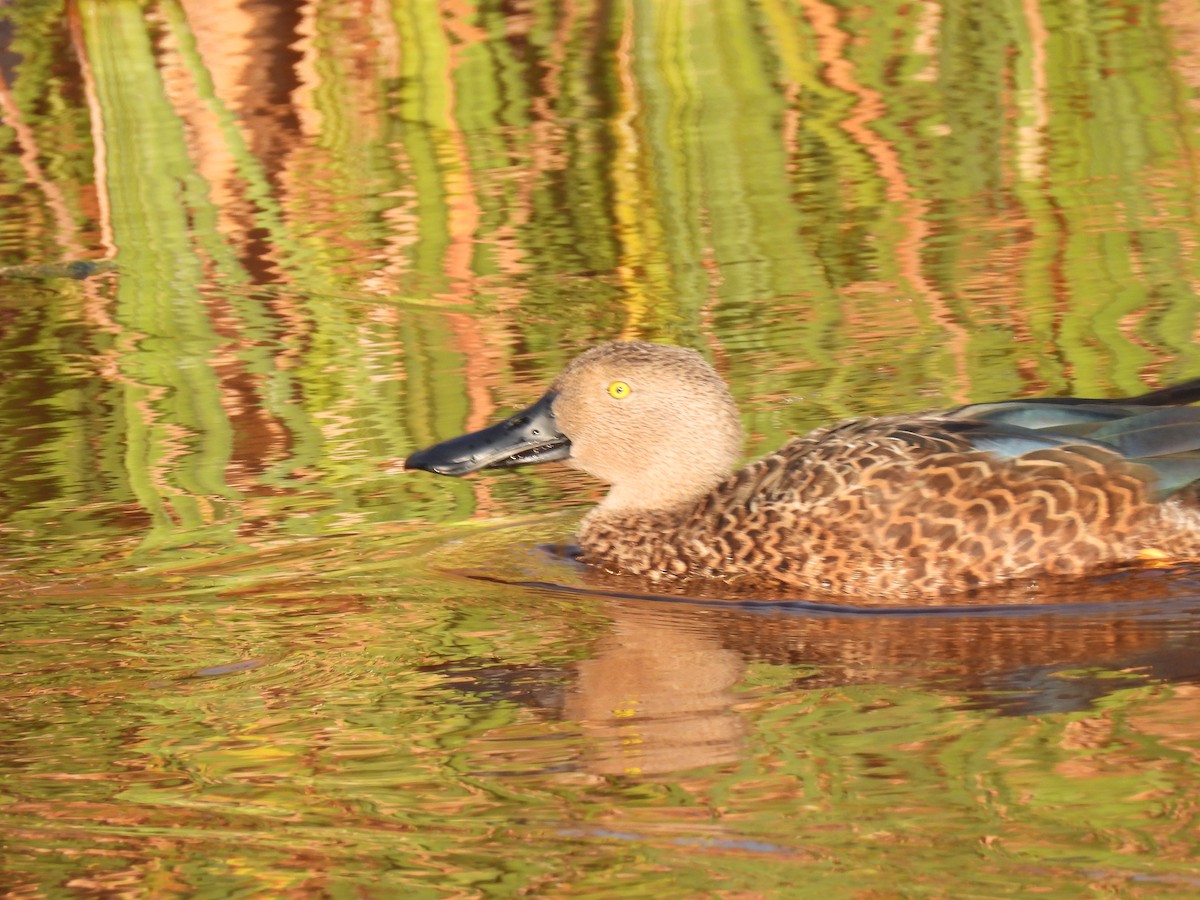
[[1139, 608]]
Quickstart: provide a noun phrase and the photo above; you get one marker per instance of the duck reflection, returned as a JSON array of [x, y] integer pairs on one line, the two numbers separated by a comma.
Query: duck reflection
[[659, 692], [657, 696]]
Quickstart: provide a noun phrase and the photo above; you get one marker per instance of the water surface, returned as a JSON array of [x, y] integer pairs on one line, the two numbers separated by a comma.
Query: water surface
[[255, 253]]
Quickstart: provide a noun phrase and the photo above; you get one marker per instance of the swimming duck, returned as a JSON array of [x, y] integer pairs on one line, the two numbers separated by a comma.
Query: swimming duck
[[911, 505]]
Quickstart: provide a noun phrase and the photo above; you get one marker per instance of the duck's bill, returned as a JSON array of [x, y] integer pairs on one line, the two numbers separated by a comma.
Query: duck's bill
[[528, 437]]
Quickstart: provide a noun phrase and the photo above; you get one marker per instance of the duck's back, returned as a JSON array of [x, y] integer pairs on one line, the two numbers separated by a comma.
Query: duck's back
[[909, 506]]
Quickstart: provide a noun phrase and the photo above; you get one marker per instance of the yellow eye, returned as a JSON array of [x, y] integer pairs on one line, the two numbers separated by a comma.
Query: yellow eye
[[619, 390]]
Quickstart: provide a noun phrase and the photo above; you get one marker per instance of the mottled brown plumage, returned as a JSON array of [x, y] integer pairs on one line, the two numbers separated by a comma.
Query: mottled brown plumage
[[903, 506]]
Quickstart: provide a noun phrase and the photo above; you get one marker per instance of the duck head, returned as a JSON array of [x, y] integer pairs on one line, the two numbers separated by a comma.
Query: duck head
[[655, 422]]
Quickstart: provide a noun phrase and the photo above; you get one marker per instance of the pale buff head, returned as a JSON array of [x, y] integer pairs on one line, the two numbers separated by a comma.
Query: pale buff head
[[655, 422]]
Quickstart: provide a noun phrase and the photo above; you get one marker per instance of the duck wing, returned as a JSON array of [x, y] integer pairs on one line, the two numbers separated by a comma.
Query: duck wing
[[1155, 430]]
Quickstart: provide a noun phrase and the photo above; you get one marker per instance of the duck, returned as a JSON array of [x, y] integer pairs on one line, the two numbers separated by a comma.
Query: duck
[[912, 505]]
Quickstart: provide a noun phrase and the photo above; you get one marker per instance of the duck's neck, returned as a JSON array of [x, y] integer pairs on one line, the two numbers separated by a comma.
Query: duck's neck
[[656, 494]]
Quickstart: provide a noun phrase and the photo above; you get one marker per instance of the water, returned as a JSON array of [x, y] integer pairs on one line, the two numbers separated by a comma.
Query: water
[[254, 254]]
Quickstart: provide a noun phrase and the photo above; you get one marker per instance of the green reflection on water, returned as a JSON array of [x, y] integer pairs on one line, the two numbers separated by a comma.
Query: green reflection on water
[[239, 655], [950, 207], [175, 433], [395, 731]]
